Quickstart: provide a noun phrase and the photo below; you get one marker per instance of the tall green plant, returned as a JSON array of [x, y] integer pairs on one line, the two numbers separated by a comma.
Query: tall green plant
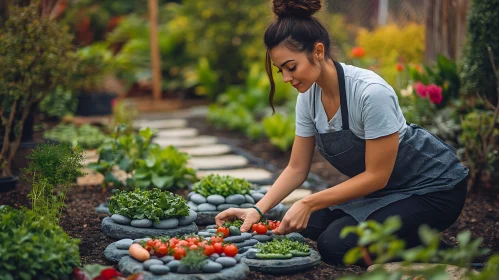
[[52, 168]]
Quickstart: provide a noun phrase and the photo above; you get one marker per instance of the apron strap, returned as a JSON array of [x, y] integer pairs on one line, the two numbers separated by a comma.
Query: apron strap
[[343, 96]]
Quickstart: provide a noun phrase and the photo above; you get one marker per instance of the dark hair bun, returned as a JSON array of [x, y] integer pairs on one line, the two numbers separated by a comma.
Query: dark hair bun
[[296, 8]]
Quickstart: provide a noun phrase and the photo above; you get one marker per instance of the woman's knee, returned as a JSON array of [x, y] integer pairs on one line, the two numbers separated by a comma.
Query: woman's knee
[[333, 248]]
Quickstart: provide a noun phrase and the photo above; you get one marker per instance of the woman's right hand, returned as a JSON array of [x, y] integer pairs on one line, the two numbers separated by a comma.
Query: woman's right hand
[[249, 215]]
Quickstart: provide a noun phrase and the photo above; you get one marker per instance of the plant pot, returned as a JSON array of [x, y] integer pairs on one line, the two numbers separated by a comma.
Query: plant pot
[[8, 183], [95, 103]]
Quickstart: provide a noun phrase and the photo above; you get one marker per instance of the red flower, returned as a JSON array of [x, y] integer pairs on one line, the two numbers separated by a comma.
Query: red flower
[[420, 89], [399, 67], [358, 52], [435, 93], [109, 273]]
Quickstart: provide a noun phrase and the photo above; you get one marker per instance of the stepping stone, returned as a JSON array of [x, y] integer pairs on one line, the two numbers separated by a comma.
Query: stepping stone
[[160, 124], [207, 150], [218, 162], [93, 178], [90, 154], [253, 175], [453, 272], [115, 230], [128, 265], [177, 133], [186, 142], [294, 196], [286, 266]]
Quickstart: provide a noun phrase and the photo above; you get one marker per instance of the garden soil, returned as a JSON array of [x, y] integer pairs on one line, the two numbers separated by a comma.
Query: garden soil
[[79, 219]]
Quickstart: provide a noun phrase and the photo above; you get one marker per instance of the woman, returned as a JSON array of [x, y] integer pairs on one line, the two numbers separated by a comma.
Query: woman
[[353, 117]]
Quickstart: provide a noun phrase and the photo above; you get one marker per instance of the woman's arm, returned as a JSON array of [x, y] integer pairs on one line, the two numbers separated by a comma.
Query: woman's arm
[[381, 154]]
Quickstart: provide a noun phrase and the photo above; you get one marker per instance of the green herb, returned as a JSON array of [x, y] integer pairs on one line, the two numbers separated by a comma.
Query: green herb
[[194, 259], [234, 223], [221, 185], [86, 136], [148, 204], [282, 245]]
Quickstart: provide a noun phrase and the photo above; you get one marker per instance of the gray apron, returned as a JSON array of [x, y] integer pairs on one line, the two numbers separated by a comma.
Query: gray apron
[[424, 163]]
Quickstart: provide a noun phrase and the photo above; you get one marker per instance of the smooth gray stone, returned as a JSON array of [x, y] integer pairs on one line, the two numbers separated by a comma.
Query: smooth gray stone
[[173, 265], [102, 209], [251, 254], [142, 223], [257, 196], [120, 219], [205, 234], [246, 205], [225, 206], [186, 270], [247, 235], [222, 255], [159, 269], [128, 266], [212, 230], [226, 261], [263, 190], [262, 237], [113, 254], [190, 194], [282, 266], [192, 205], [147, 264], [166, 224], [198, 199], [214, 256], [141, 239], [206, 207], [238, 257], [153, 257], [114, 230], [211, 267], [166, 259], [235, 199], [206, 217], [295, 236], [235, 239], [215, 199], [188, 219], [124, 244], [211, 227], [249, 242], [243, 250], [249, 199]]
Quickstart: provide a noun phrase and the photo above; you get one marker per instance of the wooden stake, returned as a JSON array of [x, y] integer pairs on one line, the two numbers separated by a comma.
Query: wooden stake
[[155, 57]]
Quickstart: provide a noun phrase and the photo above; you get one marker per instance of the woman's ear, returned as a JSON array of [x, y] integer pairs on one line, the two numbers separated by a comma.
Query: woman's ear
[[319, 51]]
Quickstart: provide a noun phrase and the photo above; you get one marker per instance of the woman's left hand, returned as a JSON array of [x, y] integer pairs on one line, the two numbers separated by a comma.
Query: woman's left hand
[[296, 218]]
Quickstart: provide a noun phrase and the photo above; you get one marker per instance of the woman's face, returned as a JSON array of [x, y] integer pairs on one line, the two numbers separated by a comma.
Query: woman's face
[[294, 67]]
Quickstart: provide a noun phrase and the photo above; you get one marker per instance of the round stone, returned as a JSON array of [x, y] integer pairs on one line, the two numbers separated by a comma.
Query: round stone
[[205, 234], [124, 244], [264, 189], [262, 237], [226, 261], [187, 220], [186, 270], [120, 219], [212, 230], [198, 199], [190, 194], [251, 253], [249, 242], [282, 266], [211, 267], [295, 236], [193, 206], [235, 199], [113, 254], [215, 199], [214, 256], [225, 206], [147, 264], [114, 230], [206, 207], [102, 209], [246, 205], [243, 250], [211, 226], [166, 259], [238, 257], [257, 196], [142, 223], [166, 224], [235, 239], [249, 199], [159, 269], [173, 265], [247, 235]]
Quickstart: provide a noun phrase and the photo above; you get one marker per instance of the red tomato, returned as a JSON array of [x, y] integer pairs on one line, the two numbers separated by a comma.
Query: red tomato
[[150, 242], [179, 253], [261, 229], [219, 248], [208, 250], [216, 239], [183, 243], [162, 251], [230, 250], [203, 243], [253, 227], [223, 230], [193, 247]]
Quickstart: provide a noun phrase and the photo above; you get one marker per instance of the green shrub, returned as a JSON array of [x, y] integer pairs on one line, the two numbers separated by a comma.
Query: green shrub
[[86, 136], [149, 204], [280, 129], [33, 248], [60, 103], [221, 185], [477, 73]]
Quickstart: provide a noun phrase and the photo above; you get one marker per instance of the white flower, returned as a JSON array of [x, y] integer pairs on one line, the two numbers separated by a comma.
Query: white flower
[[407, 92]]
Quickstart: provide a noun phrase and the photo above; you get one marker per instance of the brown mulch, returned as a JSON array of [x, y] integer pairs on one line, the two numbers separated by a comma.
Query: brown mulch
[[480, 215]]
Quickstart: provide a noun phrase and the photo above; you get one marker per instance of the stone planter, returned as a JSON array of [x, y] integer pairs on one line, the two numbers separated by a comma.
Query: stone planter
[[283, 266]]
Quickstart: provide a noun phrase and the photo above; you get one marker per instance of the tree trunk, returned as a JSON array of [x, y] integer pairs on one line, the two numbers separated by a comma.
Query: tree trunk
[[155, 57]]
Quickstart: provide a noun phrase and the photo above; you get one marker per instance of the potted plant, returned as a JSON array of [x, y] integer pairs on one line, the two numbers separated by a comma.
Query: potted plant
[[35, 56]]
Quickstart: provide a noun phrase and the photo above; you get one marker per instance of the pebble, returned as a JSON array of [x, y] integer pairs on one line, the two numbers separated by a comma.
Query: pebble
[[166, 224], [159, 269], [206, 207], [186, 270], [142, 223], [263, 190], [211, 267], [226, 261], [262, 237], [257, 196], [211, 226], [246, 205], [249, 199], [250, 242], [188, 219], [238, 257], [198, 199], [235, 199], [147, 264], [243, 250], [214, 256], [205, 234], [251, 253], [141, 239], [225, 206], [167, 259], [215, 199], [173, 265], [190, 194], [120, 219], [192, 205], [212, 230], [247, 235], [235, 239], [124, 244]]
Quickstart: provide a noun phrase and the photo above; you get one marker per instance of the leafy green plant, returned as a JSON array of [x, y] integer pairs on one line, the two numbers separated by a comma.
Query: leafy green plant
[[148, 204], [221, 185], [86, 136], [32, 247], [280, 129], [52, 166], [234, 223], [60, 103], [282, 245], [164, 168], [194, 259], [234, 116], [124, 113]]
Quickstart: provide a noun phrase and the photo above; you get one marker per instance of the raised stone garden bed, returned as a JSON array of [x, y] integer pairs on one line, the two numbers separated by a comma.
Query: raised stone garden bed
[[281, 266]]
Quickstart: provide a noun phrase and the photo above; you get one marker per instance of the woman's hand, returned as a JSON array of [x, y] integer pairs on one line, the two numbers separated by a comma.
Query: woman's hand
[[296, 218], [249, 215]]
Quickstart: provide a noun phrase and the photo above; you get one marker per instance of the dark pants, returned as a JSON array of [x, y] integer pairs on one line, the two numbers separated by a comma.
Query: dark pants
[[439, 210]]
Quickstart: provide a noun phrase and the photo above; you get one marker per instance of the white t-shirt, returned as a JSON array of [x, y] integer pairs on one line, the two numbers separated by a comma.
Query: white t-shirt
[[373, 108]]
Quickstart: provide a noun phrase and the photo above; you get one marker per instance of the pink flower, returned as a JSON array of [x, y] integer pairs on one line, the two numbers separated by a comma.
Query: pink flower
[[420, 89], [434, 93]]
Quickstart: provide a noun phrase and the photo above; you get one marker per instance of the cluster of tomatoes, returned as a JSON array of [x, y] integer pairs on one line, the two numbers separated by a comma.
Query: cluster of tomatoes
[[178, 247], [263, 227]]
